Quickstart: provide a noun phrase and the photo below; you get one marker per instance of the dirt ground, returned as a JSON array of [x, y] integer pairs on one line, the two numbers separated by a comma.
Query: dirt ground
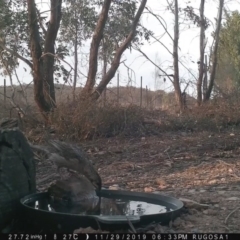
[[200, 168]]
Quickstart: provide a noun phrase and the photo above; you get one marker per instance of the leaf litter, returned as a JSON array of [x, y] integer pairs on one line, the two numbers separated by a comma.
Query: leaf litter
[[202, 171]]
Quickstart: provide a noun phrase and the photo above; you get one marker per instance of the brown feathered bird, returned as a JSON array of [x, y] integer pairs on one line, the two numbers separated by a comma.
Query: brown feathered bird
[[76, 195], [71, 157]]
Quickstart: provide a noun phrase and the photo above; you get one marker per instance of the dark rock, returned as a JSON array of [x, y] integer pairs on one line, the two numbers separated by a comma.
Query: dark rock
[[17, 173]]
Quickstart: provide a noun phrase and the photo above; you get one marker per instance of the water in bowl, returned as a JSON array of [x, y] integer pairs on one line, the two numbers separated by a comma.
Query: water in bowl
[[106, 207]]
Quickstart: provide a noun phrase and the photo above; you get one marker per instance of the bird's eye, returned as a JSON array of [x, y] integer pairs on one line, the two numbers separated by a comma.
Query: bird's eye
[[66, 200]]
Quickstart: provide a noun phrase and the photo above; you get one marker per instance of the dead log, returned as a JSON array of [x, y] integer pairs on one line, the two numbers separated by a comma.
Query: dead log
[[17, 173], [152, 121]]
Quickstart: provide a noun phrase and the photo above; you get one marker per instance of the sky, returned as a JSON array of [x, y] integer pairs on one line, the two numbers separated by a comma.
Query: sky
[[188, 44]]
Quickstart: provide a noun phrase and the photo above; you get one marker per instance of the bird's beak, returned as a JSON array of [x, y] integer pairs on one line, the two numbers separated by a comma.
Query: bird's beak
[[96, 186]]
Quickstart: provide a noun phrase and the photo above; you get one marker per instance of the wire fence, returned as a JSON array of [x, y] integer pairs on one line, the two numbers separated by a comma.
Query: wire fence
[[142, 96], [139, 95]]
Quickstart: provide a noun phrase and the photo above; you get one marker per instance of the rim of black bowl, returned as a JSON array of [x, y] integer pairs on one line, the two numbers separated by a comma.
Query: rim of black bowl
[[155, 198]]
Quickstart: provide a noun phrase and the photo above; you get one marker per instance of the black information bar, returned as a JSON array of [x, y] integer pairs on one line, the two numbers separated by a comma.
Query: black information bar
[[122, 236]]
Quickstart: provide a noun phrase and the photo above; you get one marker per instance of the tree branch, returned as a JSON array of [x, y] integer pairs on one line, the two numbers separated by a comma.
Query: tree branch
[[157, 40], [60, 59], [158, 18], [41, 22], [16, 55], [145, 55]]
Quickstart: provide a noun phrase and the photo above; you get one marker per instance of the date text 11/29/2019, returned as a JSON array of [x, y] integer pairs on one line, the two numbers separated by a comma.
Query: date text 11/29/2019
[[162, 236]]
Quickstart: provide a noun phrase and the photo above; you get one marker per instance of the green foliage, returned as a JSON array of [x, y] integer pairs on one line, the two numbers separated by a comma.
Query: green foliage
[[79, 18], [229, 49], [118, 26], [13, 34]]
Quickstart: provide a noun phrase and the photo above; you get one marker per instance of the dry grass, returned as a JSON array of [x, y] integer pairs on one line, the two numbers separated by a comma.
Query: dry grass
[[215, 115], [151, 100], [110, 117], [87, 121]]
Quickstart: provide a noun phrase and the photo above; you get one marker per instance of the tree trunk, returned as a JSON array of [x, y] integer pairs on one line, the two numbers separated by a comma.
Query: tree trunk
[[214, 55], [176, 84], [205, 79], [116, 61], [48, 60], [75, 67], [42, 64], [96, 39], [75, 62], [104, 70], [36, 53], [17, 175], [201, 64]]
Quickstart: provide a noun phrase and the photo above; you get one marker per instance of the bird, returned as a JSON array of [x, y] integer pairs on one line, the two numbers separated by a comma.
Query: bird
[[77, 195], [71, 157]]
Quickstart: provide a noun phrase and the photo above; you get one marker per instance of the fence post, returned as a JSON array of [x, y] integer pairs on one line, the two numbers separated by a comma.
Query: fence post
[[5, 92], [146, 96], [205, 78], [118, 89], [141, 93], [104, 96]]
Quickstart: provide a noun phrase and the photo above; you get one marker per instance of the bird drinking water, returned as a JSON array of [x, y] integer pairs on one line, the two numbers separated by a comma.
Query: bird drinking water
[[71, 157]]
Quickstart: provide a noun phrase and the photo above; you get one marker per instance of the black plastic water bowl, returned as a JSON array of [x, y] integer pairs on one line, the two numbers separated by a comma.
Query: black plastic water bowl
[[50, 222]]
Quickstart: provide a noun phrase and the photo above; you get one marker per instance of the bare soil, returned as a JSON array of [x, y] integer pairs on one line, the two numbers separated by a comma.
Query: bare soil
[[200, 168]]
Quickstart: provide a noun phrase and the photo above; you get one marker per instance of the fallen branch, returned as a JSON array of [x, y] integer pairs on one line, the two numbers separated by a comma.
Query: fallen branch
[[194, 203], [228, 216], [131, 225], [152, 121]]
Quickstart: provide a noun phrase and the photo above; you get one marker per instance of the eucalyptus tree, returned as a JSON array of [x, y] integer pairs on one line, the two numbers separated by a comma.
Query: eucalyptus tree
[[214, 53], [13, 34], [230, 38], [174, 78], [203, 26], [121, 46], [117, 26], [176, 82], [173, 6], [26, 38], [202, 22], [78, 22], [228, 69], [32, 37]]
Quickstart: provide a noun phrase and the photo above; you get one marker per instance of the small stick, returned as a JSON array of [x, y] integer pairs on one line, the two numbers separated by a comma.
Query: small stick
[[233, 211], [131, 225]]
